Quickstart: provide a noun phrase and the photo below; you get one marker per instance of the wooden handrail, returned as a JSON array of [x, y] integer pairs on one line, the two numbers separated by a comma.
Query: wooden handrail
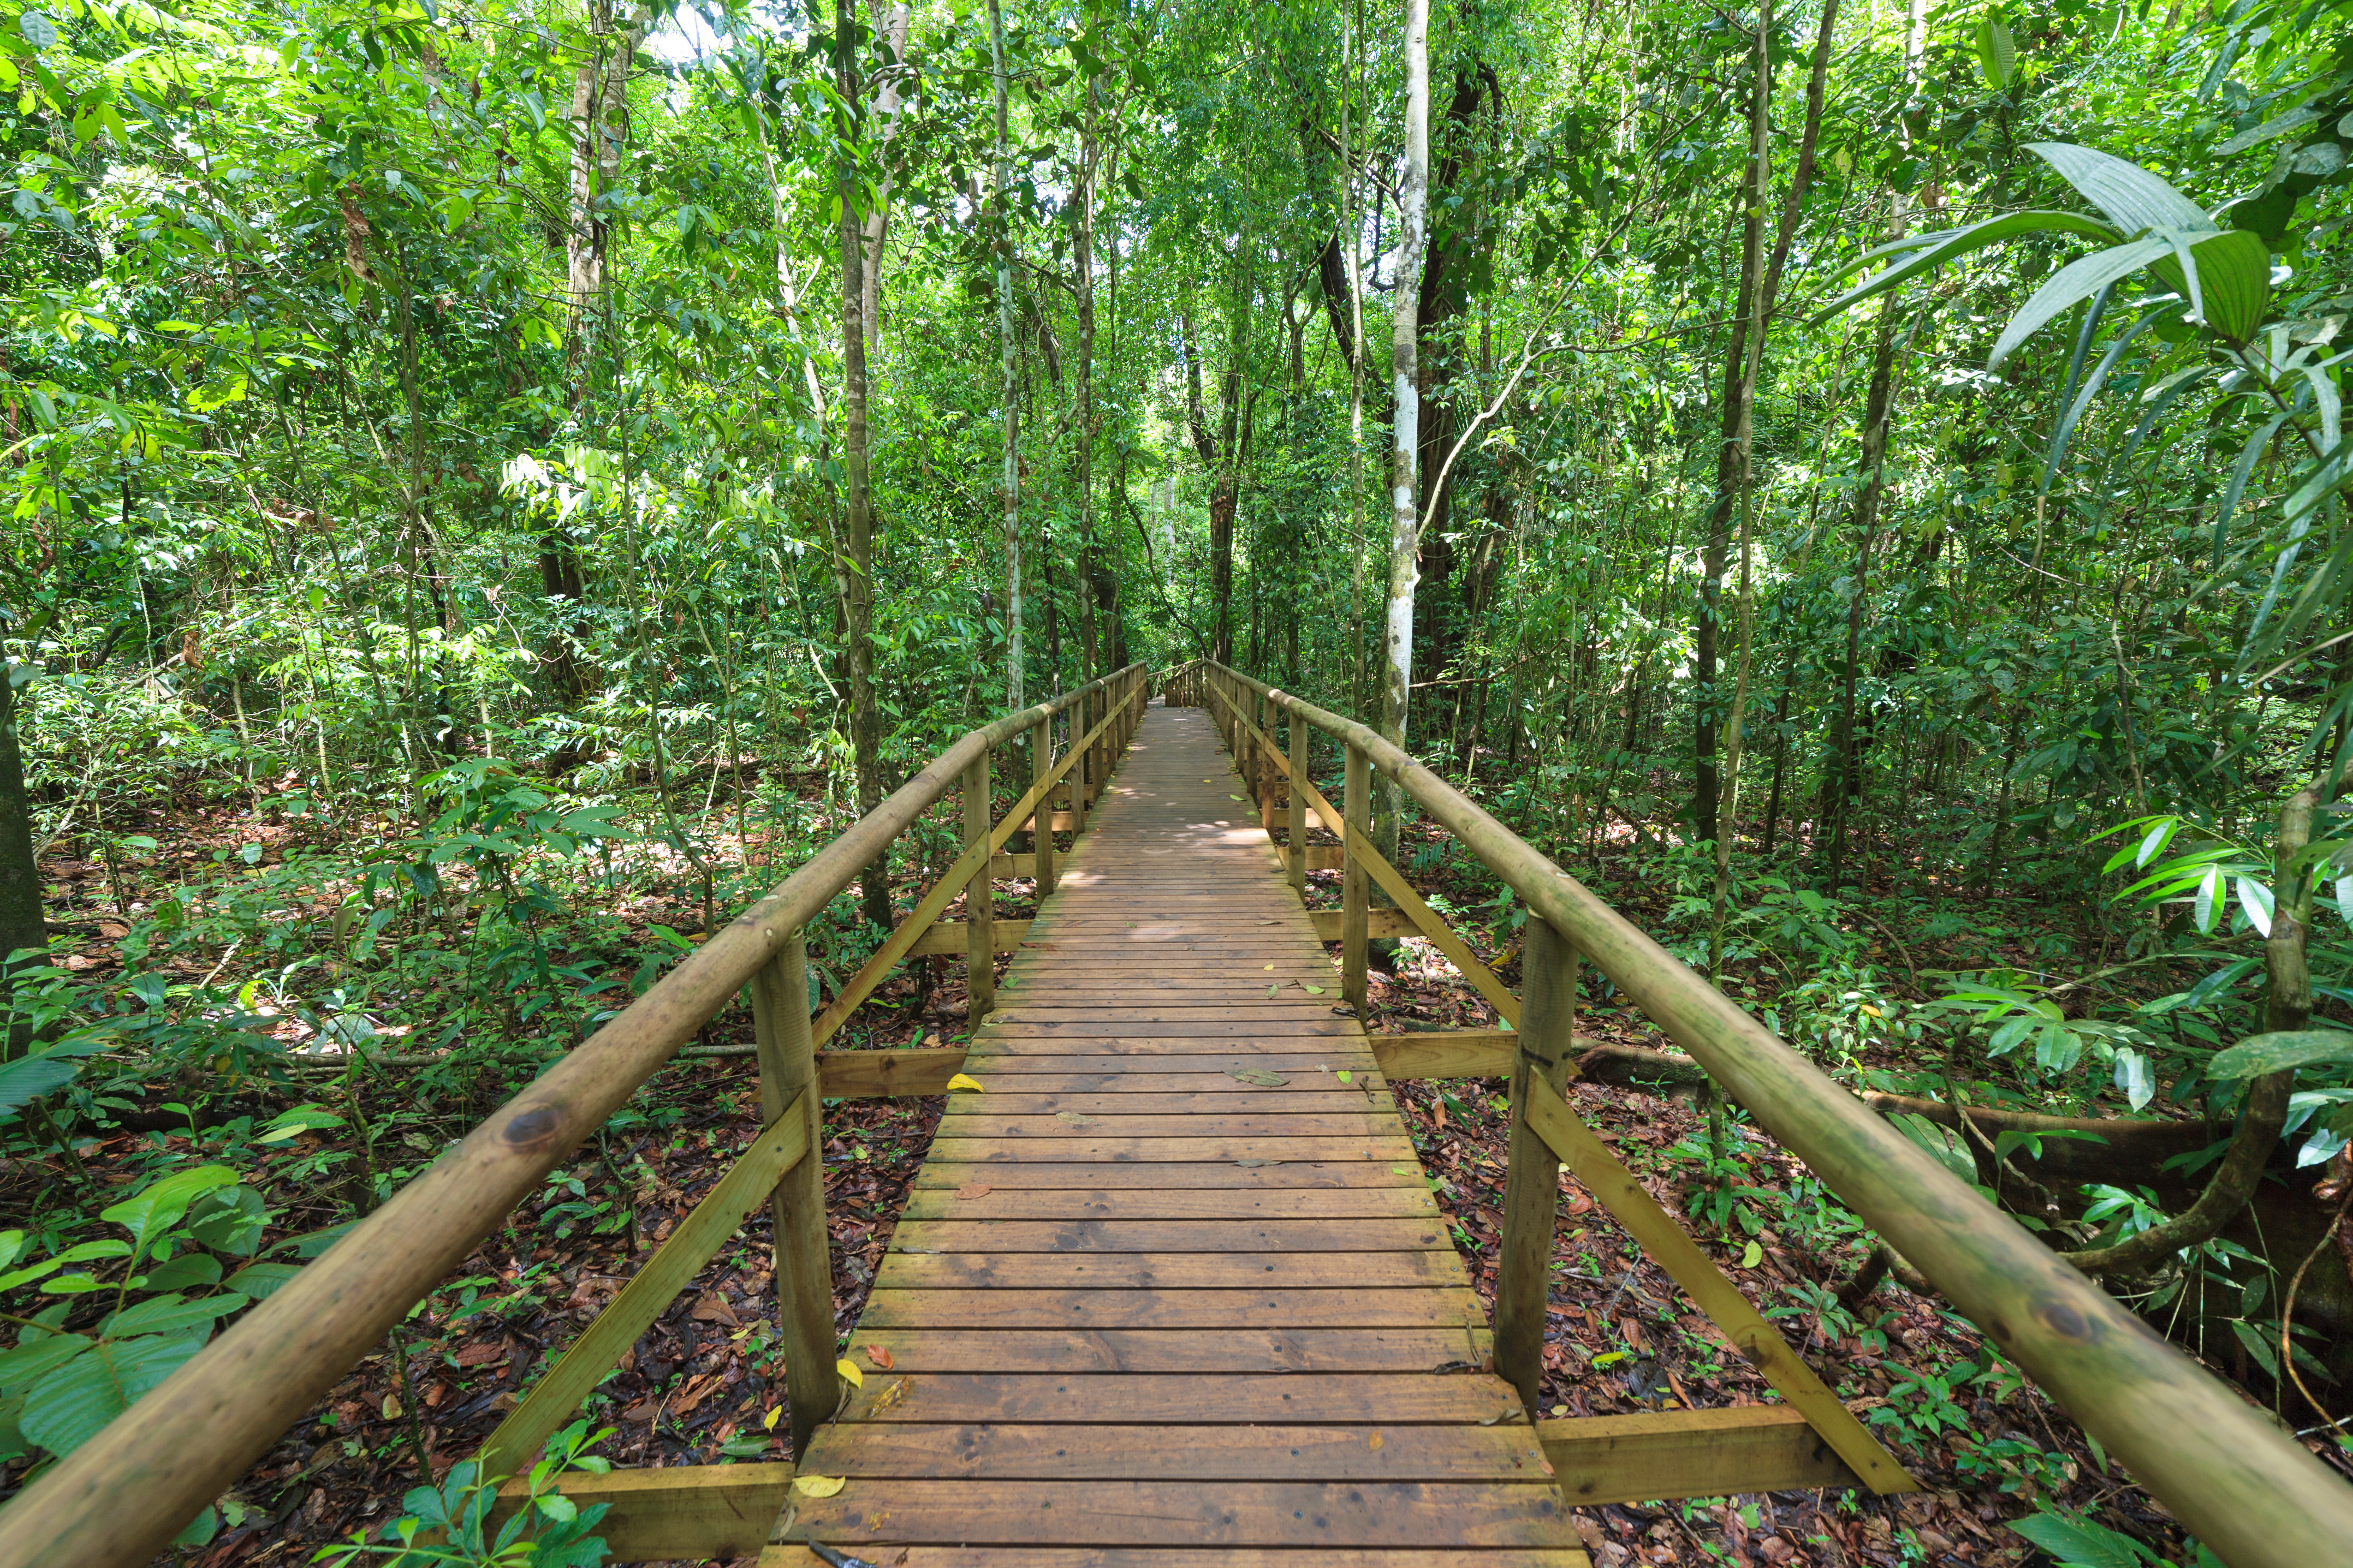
[[2232, 1475], [121, 1497]]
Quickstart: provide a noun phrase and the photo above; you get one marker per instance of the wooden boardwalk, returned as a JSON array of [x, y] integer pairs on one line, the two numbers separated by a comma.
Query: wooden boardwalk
[[1174, 1280]]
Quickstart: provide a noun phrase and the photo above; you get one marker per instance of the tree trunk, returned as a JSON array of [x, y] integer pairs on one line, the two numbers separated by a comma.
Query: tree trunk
[[877, 227], [1404, 491], [22, 925], [1083, 454], [858, 542], [1013, 698]]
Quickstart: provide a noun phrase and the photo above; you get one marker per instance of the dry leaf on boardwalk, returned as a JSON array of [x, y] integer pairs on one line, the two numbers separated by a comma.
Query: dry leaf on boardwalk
[[976, 1190]]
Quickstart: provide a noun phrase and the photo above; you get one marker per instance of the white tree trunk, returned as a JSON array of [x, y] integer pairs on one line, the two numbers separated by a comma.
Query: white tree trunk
[[1405, 507]]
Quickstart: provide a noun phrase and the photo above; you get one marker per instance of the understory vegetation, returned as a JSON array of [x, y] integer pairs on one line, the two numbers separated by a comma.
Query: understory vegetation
[[489, 487]]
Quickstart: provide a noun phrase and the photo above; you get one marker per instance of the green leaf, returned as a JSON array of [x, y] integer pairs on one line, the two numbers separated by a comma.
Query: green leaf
[[2256, 900], [2134, 199], [68, 1407], [2276, 126], [2079, 1543], [169, 1314], [1923, 252], [27, 1078], [1997, 53], [159, 1205], [2234, 283], [2261, 1054], [258, 1280], [2079, 280], [190, 1268], [30, 1362]]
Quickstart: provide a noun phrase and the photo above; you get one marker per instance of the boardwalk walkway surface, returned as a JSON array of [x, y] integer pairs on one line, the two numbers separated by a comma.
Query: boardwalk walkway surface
[[1173, 1280]]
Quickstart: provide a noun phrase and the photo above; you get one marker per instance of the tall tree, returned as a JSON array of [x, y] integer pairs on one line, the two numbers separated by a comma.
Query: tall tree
[[1002, 248], [22, 924], [857, 530], [1405, 420]]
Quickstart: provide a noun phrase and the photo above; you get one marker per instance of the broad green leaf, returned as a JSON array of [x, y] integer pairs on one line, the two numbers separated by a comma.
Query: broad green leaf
[[66, 1408], [2280, 1052], [159, 1205], [258, 1280], [27, 1078], [2276, 126], [1921, 253], [27, 1364], [189, 1269], [2256, 900], [2079, 280], [2134, 199], [2234, 281], [2075, 1543], [2209, 891], [1997, 53], [169, 1314]]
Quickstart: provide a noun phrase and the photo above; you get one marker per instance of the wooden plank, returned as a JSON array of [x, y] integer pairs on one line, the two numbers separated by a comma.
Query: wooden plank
[[1176, 1513], [1673, 1251], [1240, 1208], [1219, 1309], [797, 1556], [1217, 1094], [1041, 822], [1186, 1399], [982, 1121], [1378, 922], [946, 938], [1221, 1175], [926, 1349], [903, 1270], [1168, 1073], [965, 1234], [1304, 1025], [876, 1075], [696, 1241], [999, 1451], [1452, 1053], [1690, 1453], [1209, 1148], [690, 1511], [1275, 1010]]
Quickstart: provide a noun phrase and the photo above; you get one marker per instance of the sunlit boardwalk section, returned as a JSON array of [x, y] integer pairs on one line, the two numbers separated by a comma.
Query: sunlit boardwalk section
[[1173, 1281]]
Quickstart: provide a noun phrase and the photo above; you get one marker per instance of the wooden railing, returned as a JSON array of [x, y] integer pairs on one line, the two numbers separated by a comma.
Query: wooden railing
[[121, 1497], [2227, 1471]]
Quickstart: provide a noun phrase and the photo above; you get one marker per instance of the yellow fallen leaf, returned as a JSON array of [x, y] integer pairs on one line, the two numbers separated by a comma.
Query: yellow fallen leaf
[[1373, 1442], [964, 1080], [850, 1371], [769, 1420], [818, 1486], [1270, 967], [1870, 1011]]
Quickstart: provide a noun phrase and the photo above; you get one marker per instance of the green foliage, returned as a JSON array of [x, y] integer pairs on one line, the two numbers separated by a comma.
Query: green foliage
[[123, 1315], [546, 1530]]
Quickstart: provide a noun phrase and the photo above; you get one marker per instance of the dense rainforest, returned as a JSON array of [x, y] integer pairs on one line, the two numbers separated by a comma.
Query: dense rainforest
[[492, 486]]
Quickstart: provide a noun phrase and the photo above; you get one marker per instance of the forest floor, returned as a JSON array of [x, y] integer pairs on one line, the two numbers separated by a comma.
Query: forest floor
[[701, 1386]]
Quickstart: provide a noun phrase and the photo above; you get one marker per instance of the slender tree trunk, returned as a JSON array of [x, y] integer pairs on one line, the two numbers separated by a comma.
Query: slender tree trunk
[[1083, 264], [1014, 698], [22, 925], [1350, 225], [865, 721], [877, 227], [1405, 490]]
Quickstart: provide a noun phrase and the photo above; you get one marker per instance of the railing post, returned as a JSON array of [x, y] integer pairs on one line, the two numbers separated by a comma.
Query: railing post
[[979, 899], [1358, 812], [1297, 829], [1076, 779], [1531, 1177], [804, 1273], [1263, 756], [1041, 824]]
